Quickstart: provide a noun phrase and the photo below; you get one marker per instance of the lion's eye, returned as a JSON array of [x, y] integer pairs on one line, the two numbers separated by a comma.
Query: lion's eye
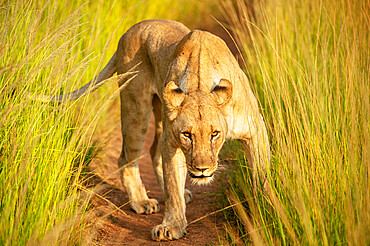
[[215, 134], [187, 134]]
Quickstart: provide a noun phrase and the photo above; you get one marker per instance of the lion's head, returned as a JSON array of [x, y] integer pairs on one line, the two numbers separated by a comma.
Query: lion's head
[[199, 126], [195, 97]]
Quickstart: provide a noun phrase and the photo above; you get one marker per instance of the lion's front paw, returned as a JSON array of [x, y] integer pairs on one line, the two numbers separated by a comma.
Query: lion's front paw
[[147, 206], [188, 196], [167, 232]]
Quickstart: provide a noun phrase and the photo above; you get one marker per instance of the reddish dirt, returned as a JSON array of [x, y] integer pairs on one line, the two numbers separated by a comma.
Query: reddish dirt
[[113, 226]]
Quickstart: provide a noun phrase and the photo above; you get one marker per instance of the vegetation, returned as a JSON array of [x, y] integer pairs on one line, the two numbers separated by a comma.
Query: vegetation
[[308, 62], [52, 47]]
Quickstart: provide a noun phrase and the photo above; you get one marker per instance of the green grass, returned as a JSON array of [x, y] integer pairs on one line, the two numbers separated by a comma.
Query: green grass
[[308, 62], [52, 47]]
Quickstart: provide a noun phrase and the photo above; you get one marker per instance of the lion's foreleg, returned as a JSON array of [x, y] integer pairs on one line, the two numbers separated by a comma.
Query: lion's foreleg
[[174, 220]]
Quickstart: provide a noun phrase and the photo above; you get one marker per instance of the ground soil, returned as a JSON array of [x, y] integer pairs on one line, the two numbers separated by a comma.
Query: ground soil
[[112, 220]]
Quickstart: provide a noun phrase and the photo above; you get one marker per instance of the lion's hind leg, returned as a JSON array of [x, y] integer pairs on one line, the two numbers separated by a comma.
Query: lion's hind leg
[[135, 115], [258, 153]]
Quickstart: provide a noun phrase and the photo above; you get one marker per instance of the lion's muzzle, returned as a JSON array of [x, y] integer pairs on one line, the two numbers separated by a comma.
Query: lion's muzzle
[[201, 176]]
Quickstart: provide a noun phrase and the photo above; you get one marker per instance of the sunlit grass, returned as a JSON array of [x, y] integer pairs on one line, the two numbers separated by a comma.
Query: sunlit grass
[[52, 47], [308, 63]]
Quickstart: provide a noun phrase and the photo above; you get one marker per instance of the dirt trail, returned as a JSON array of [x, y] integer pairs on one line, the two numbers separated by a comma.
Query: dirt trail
[[125, 227]]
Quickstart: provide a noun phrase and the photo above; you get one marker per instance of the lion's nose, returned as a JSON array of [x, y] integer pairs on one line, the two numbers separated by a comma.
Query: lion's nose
[[201, 169]]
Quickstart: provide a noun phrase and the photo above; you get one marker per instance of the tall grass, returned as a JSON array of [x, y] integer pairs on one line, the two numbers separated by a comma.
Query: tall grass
[[308, 62], [52, 47]]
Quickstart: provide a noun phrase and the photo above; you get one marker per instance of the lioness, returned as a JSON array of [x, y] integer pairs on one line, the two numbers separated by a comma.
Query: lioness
[[199, 96]]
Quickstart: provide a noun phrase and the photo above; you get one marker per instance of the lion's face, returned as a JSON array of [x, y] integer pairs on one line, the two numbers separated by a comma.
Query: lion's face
[[199, 127]]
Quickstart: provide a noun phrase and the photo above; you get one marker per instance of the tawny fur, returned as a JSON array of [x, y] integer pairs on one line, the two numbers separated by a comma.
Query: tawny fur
[[199, 96]]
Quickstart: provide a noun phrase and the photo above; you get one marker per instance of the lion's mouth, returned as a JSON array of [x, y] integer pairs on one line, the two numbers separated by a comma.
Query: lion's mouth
[[199, 177]]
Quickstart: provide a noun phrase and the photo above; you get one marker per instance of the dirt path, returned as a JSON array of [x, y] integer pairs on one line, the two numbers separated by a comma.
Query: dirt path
[[123, 226]]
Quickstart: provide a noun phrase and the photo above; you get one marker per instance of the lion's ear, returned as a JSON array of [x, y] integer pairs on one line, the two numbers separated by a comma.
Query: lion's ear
[[223, 91], [173, 97]]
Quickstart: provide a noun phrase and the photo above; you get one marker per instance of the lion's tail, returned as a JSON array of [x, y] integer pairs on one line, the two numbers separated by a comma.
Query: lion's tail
[[94, 84]]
